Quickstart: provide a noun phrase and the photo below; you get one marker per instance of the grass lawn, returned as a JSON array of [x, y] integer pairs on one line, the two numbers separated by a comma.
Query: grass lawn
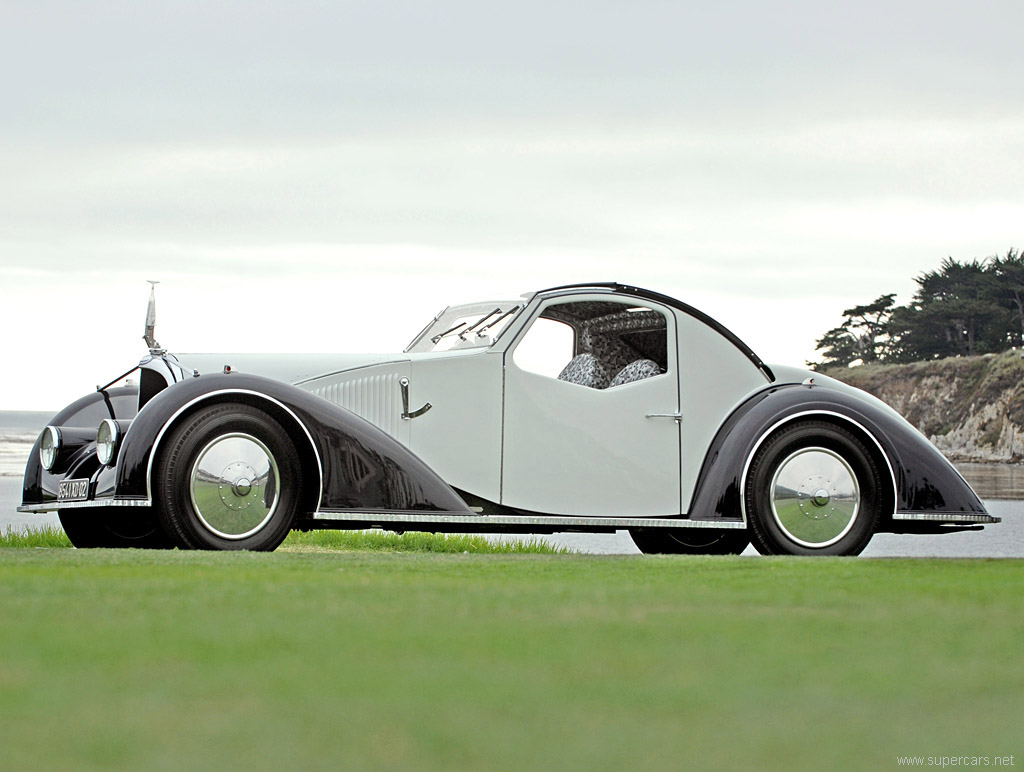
[[341, 660]]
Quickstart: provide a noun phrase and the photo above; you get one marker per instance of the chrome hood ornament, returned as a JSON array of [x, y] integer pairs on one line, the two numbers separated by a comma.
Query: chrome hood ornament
[[154, 347]]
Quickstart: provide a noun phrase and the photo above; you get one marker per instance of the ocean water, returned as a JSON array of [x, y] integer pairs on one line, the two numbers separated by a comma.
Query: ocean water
[[1000, 485], [18, 433]]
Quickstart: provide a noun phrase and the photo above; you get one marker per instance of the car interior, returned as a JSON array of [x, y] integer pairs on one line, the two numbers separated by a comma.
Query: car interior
[[615, 343]]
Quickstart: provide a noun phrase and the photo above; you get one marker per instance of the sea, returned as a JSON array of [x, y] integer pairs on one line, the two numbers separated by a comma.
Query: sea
[[1001, 486]]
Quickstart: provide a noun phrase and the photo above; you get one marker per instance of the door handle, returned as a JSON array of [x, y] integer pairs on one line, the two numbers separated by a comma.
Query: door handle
[[677, 417], [406, 415]]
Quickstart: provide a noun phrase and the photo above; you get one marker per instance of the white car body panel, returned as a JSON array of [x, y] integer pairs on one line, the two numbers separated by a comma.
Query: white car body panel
[[373, 393], [289, 368], [459, 437], [571, 449], [366, 384], [715, 378]]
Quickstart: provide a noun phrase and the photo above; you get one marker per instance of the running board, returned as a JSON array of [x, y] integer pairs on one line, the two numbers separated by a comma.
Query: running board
[[56, 506], [543, 521], [556, 522], [958, 518]]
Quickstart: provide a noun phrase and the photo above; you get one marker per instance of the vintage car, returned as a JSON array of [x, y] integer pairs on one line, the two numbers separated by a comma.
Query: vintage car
[[590, 407]]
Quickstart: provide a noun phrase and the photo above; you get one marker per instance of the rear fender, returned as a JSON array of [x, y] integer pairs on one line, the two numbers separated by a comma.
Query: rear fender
[[922, 479]]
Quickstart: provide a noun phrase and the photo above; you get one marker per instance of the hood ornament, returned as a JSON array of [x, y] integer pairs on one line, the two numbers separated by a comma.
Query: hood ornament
[[154, 347]]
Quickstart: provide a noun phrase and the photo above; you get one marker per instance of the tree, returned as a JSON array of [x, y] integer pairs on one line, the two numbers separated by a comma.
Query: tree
[[960, 309], [954, 313], [1009, 274], [862, 336]]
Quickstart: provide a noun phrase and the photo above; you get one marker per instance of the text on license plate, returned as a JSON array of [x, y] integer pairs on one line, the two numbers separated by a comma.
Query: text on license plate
[[73, 490]]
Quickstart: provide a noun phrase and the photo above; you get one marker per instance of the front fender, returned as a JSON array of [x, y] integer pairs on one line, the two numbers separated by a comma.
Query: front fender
[[78, 423], [356, 465], [923, 480]]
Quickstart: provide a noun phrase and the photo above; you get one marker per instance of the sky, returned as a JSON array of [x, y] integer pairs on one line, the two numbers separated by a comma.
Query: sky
[[325, 176]]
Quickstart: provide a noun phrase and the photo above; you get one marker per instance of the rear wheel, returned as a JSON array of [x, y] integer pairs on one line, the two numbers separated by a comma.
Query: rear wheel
[[228, 478], [813, 489], [114, 527], [689, 541]]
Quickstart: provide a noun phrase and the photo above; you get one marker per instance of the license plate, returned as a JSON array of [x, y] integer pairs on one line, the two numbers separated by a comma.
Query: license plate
[[73, 490]]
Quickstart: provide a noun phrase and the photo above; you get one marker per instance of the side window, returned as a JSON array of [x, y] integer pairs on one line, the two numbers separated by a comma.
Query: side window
[[600, 344], [546, 349]]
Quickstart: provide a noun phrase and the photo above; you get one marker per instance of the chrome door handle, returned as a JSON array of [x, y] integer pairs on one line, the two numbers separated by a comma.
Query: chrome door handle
[[406, 415], [677, 417]]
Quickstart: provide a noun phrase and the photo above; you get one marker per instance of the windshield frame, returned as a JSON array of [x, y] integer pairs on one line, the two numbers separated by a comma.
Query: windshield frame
[[444, 323]]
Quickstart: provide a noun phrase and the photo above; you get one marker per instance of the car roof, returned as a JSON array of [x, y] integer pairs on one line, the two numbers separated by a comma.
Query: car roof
[[639, 292]]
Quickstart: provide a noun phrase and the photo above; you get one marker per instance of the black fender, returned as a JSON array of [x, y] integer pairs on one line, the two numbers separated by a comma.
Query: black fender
[[923, 480], [78, 423], [349, 463]]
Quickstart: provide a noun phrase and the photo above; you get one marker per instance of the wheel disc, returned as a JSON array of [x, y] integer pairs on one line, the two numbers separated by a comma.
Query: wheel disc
[[234, 485], [815, 497]]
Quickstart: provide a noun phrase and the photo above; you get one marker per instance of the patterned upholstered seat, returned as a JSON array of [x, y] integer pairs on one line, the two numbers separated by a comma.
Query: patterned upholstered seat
[[636, 370], [585, 370]]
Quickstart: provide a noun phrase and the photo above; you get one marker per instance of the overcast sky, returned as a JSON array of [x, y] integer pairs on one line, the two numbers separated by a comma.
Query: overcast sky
[[324, 176]]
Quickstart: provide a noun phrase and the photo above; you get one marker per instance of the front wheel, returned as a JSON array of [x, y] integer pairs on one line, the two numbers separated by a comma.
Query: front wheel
[[228, 479], [813, 488], [689, 541], [113, 527]]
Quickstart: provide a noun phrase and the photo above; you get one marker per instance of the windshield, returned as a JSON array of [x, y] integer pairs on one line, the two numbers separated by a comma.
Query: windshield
[[476, 325]]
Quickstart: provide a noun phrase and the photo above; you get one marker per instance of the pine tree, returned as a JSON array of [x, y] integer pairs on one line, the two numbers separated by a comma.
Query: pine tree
[[863, 335], [960, 309], [1009, 275]]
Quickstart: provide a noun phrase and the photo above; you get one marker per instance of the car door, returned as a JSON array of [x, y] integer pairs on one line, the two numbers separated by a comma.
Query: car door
[[600, 447], [459, 435]]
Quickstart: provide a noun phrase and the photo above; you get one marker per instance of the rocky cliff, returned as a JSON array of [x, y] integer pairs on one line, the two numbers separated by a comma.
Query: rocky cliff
[[972, 408]]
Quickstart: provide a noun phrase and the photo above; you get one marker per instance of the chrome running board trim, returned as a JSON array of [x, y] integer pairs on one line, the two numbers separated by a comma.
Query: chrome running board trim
[[53, 506], [563, 521], [946, 517]]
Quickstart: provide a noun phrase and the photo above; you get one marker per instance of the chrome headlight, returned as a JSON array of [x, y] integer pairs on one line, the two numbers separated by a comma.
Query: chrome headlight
[[107, 436], [49, 447]]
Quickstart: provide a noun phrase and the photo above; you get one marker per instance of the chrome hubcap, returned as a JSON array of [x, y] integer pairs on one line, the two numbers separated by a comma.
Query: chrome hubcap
[[820, 498], [815, 497], [235, 486]]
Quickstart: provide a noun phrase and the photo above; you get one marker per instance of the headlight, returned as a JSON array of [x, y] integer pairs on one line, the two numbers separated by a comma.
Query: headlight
[[107, 436], [49, 447]]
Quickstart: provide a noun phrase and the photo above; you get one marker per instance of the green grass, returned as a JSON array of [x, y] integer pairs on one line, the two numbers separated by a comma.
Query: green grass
[[338, 541], [384, 541], [124, 660], [49, 536]]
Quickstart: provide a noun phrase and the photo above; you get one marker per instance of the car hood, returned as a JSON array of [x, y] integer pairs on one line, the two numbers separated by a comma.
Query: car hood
[[289, 368]]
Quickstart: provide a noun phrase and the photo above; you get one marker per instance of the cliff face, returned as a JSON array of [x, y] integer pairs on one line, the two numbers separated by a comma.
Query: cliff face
[[972, 408]]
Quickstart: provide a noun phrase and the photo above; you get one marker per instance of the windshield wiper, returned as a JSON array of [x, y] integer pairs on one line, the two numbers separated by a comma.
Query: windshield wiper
[[449, 331], [486, 327], [483, 318]]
